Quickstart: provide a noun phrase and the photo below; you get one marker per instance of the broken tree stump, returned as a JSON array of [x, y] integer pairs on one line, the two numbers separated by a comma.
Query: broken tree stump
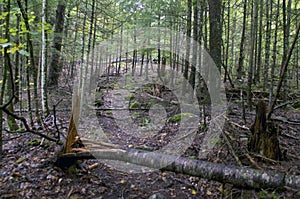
[[264, 138]]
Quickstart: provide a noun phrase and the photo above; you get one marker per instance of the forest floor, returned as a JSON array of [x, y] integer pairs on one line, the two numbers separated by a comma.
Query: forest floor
[[27, 169]]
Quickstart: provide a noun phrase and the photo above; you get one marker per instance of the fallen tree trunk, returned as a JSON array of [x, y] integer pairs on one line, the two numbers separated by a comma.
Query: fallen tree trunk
[[242, 177]]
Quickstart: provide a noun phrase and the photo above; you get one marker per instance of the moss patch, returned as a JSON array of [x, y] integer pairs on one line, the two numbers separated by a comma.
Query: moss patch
[[129, 97], [34, 142], [134, 105], [180, 116]]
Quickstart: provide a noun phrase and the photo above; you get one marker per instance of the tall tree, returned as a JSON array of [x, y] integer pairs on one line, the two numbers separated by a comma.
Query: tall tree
[[188, 43], [10, 91], [252, 52], [215, 31], [215, 43], [242, 44], [259, 44], [274, 53], [195, 50], [32, 67], [269, 7], [286, 9], [43, 61], [55, 67]]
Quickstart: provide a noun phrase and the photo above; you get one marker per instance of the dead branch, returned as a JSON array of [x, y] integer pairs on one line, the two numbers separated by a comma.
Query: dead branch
[[231, 149], [282, 72], [27, 128], [253, 161]]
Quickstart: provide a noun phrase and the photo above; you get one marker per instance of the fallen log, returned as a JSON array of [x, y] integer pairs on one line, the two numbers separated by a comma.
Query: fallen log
[[238, 176]]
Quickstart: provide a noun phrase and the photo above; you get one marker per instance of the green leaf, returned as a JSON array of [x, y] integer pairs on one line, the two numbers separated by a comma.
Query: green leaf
[[20, 160], [2, 41], [24, 52]]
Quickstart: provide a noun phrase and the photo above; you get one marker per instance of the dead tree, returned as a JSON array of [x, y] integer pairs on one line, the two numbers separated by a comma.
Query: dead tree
[[264, 139]]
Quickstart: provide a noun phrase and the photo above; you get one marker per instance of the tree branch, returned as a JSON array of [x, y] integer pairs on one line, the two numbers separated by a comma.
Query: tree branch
[[27, 127], [283, 71]]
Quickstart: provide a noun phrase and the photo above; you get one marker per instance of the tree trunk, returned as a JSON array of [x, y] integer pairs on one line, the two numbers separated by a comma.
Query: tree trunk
[[215, 45], [13, 126], [55, 67], [188, 45], [264, 138], [242, 56], [267, 43], [31, 62], [286, 32], [283, 71], [251, 58], [274, 61], [43, 62], [259, 53], [241, 177], [226, 54], [215, 31], [195, 50]]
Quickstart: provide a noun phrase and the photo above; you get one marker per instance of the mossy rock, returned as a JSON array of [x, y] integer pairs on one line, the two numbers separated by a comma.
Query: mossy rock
[[134, 105], [180, 116]]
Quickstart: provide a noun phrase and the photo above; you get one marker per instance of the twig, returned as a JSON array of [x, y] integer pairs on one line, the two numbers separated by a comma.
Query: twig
[[232, 150], [284, 104], [57, 110], [242, 127], [285, 120], [27, 128], [13, 138], [7, 103], [253, 161], [265, 158], [55, 124], [289, 136]]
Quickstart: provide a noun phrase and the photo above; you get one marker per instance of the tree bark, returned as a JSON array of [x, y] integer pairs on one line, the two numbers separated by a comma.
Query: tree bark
[[195, 50], [241, 177], [241, 58], [283, 71], [274, 61], [188, 45], [267, 43], [264, 139], [215, 31], [55, 67]]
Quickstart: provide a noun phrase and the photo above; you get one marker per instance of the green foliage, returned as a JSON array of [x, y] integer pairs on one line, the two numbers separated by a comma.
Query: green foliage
[[20, 160], [134, 115], [134, 105], [263, 194], [129, 97], [108, 112], [34, 142], [179, 117]]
